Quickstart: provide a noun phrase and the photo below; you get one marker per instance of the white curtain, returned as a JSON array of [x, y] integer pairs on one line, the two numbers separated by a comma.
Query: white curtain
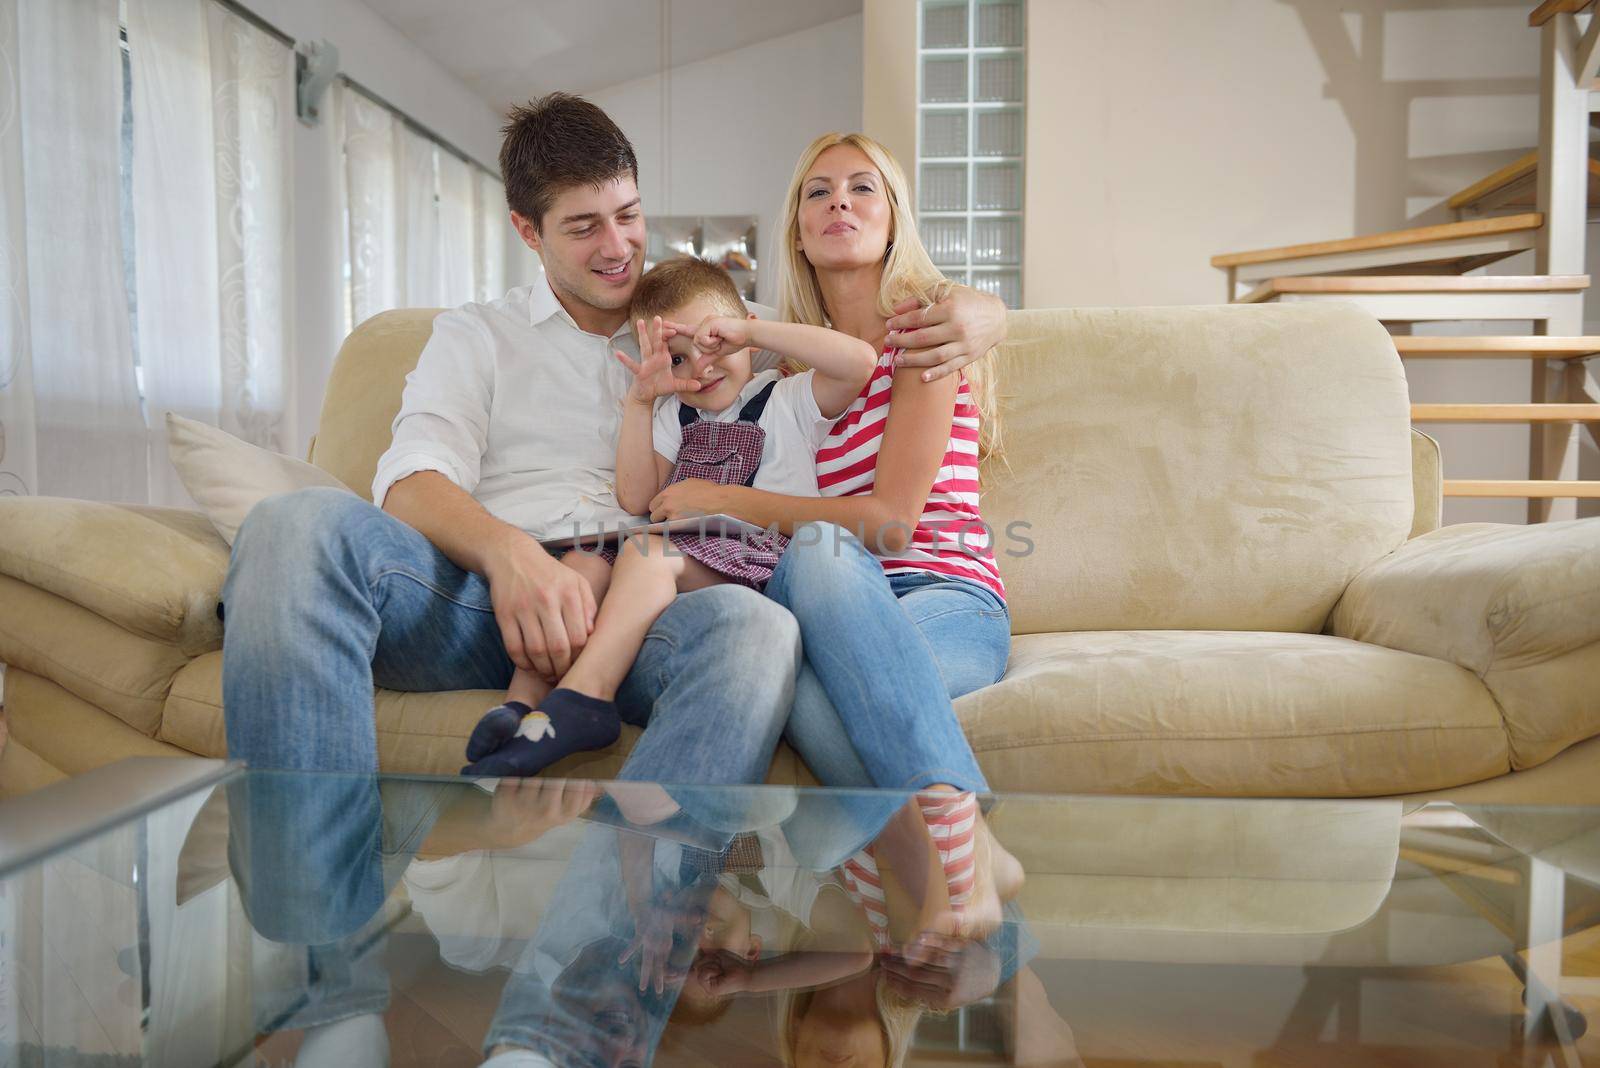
[[522, 263], [66, 311], [213, 100], [457, 237], [175, 242], [18, 466], [494, 230], [253, 102], [370, 132], [425, 228], [419, 218]]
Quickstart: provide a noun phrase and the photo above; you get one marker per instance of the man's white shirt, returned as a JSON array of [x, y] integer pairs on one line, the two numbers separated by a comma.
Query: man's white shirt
[[521, 408]]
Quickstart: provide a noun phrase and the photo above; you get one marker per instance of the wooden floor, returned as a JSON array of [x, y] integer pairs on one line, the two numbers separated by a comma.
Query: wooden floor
[[1122, 1015], [1458, 1016]]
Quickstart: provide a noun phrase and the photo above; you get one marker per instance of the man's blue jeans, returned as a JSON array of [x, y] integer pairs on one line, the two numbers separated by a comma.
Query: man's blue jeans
[[328, 595]]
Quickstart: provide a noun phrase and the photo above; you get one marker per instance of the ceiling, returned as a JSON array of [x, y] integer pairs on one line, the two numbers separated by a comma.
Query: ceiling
[[511, 50]]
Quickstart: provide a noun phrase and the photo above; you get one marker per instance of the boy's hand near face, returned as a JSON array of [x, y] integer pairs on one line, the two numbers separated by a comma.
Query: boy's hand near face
[[652, 374], [724, 972], [721, 335]]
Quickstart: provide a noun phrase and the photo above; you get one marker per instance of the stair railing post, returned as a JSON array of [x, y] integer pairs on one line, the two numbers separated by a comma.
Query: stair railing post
[[1563, 198]]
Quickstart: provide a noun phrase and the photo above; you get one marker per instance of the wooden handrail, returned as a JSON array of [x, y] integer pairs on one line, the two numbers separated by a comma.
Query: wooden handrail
[[1505, 413], [1551, 8], [1500, 224], [1483, 487], [1517, 168], [1419, 283], [1532, 346]]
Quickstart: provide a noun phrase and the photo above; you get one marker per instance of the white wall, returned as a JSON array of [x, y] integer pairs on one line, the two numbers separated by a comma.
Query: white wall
[[379, 57], [737, 124], [1195, 127]]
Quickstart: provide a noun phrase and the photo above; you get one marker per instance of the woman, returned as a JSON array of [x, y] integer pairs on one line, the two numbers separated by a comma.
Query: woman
[[889, 638]]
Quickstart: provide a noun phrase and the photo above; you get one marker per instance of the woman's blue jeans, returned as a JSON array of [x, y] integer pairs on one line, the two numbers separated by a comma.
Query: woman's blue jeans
[[884, 656]]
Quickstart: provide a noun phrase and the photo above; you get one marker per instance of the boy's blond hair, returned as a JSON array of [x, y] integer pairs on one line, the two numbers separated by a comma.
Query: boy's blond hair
[[671, 284]]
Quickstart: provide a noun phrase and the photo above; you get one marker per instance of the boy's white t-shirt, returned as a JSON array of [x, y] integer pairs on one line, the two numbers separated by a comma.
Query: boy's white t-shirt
[[792, 891], [795, 429]]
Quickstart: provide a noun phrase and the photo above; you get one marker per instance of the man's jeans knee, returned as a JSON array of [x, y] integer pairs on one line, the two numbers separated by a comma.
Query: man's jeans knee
[[325, 596], [714, 681]]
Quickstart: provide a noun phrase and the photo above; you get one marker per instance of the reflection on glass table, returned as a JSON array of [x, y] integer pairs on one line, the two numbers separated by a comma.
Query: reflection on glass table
[[192, 912]]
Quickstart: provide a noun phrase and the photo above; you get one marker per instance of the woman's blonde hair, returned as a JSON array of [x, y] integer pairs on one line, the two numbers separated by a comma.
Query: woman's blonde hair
[[908, 270]]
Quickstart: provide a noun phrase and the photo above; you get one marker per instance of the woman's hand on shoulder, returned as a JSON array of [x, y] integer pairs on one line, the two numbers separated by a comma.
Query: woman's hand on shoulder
[[945, 336]]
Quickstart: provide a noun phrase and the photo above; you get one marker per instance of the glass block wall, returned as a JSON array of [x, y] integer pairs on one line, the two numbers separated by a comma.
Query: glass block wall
[[970, 87]]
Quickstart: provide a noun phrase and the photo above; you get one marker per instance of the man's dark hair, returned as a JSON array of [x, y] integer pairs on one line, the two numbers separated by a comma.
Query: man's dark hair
[[557, 142]]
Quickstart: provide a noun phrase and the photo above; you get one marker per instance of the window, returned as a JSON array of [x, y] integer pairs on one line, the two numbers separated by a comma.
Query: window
[[970, 128]]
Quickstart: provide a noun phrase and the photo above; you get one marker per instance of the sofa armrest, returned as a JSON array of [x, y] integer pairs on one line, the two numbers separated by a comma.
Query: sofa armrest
[[154, 571], [1486, 596]]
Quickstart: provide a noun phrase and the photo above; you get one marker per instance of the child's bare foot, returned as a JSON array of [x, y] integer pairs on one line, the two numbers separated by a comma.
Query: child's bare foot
[[1008, 873], [997, 878]]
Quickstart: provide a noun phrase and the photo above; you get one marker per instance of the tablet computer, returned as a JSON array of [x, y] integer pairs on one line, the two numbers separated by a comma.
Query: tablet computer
[[711, 526]]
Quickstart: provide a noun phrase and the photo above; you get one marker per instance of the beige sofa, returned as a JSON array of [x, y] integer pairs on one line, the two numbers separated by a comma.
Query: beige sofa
[[1236, 584]]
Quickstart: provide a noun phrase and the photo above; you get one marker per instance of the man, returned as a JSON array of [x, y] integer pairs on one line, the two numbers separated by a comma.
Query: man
[[506, 434]]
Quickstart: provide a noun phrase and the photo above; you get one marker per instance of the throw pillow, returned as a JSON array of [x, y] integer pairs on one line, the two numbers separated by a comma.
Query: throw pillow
[[227, 476]]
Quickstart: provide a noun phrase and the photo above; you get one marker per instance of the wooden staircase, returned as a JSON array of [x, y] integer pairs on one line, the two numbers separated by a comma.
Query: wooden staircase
[[1516, 186], [1417, 347], [1405, 298], [1449, 248], [1424, 275]]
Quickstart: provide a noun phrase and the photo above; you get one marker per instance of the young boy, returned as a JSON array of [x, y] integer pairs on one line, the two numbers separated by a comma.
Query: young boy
[[718, 421]]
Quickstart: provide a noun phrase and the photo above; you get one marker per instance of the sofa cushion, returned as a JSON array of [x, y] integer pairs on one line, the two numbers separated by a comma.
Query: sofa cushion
[[363, 394], [86, 654], [153, 571], [67, 732], [419, 733], [1227, 713], [1194, 468]]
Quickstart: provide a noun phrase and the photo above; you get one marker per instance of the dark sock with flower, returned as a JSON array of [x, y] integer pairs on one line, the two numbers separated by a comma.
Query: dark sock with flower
[[496, 728], [565, 722]]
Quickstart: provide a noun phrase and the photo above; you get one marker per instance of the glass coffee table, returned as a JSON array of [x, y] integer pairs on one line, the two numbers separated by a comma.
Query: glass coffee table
[[190, 912]]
